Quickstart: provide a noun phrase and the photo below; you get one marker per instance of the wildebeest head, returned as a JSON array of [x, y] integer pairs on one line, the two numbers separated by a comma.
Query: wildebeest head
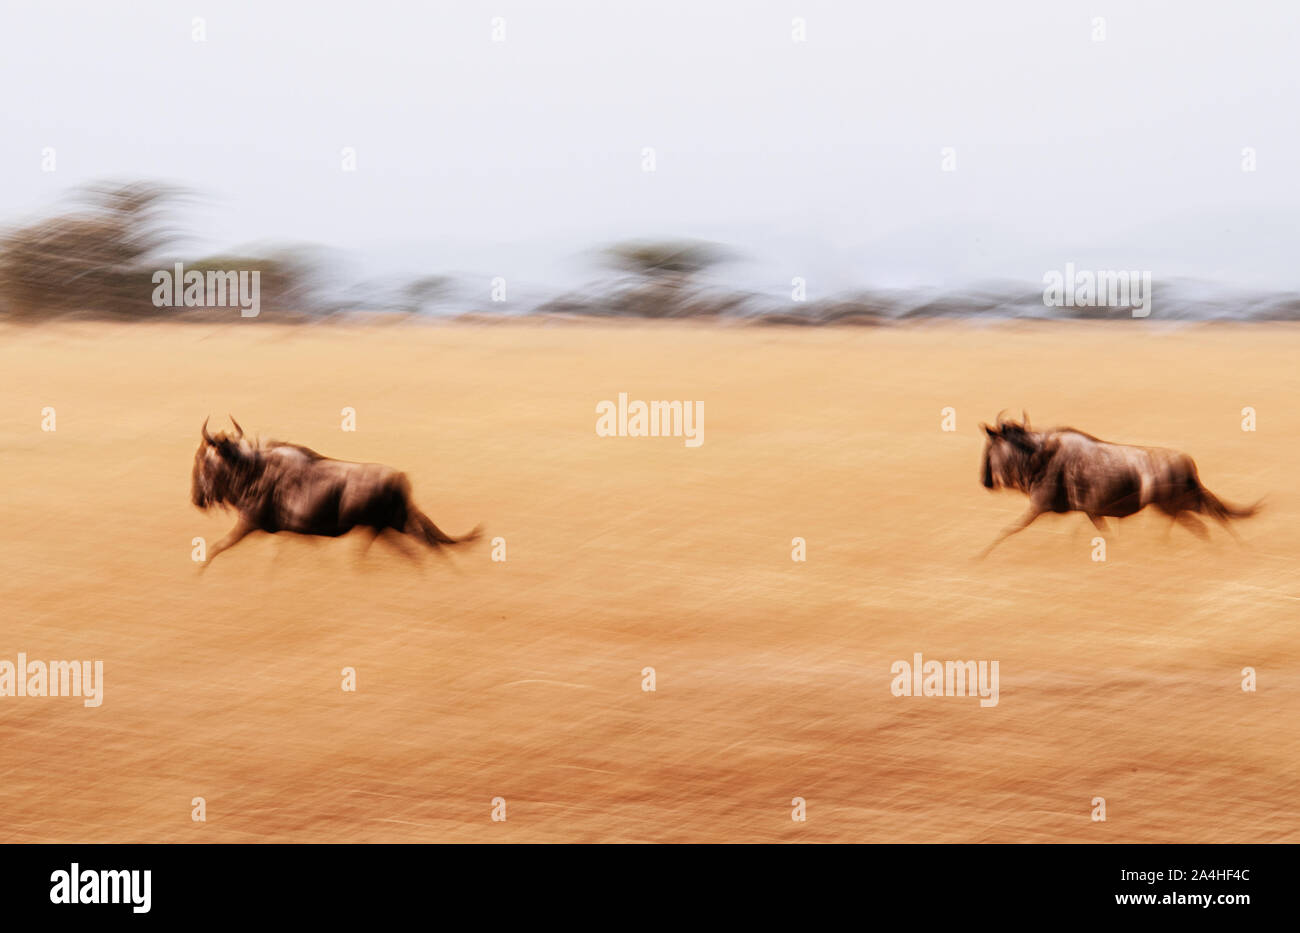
[[1009, 454], [221, 466]]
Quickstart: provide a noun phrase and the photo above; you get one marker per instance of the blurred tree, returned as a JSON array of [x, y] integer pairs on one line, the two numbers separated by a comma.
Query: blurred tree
[[423, 293], [94, 260], [664, 276], [678, 258]]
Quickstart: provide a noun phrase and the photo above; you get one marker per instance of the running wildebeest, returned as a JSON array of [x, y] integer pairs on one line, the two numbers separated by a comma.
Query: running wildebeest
[[1066, 470], [274, 486]]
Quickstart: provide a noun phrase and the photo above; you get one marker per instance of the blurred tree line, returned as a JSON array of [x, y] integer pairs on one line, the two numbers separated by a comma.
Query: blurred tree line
[[99, 259]]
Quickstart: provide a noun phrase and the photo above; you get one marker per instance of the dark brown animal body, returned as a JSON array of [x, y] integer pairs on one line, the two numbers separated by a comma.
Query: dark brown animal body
[[275, 486], [1066, 470]]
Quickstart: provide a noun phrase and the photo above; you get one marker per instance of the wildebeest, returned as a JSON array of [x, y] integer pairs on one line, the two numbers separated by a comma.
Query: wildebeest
[[274, 486], [1067, 470]]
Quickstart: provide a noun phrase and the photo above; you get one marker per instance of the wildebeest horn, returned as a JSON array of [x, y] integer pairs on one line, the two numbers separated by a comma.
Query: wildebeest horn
[[206, 436], [1024, 414], [236, 424], [998, 421]]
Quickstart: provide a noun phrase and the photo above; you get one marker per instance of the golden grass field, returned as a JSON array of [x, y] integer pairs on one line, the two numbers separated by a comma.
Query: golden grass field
[[522, 679]]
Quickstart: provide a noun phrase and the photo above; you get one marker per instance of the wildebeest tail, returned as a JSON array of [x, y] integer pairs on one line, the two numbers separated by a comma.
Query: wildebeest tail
[[424, 527], [1218, 509]]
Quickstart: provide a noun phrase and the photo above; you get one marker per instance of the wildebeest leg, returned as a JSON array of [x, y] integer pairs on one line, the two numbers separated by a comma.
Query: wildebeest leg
[[1173, 517], [368, 536], [400, 544], [1019, 524], [1227, 525], [241, 530], [1193, 524]]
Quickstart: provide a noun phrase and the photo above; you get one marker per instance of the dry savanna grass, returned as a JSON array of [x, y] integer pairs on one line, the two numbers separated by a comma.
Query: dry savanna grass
[[523, 679]]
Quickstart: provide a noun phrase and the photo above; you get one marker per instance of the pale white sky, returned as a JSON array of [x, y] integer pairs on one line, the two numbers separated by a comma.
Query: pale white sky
[[819, 159]]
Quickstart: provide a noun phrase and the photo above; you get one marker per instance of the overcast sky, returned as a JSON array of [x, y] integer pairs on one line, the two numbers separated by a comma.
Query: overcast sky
[[819, 158]]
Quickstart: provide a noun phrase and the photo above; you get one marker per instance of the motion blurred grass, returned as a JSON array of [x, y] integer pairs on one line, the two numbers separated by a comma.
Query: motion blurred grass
[[522, 679]]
